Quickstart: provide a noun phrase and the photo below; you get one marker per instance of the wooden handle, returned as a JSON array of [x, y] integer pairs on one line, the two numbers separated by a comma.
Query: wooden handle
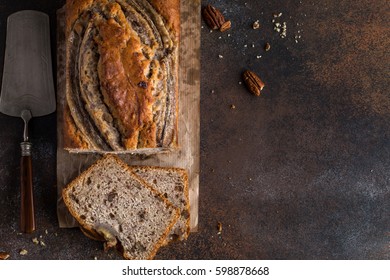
[[27, 217]]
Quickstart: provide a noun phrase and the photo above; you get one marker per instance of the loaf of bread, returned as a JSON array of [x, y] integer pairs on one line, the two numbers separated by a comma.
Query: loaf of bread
[[121, 75], [112, 204], [173, 184]]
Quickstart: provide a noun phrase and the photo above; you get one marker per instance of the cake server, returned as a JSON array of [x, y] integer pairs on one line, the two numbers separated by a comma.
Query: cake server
[[27, 90]]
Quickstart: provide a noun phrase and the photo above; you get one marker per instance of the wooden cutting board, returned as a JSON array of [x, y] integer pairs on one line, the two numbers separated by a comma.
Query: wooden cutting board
[[70, 165]]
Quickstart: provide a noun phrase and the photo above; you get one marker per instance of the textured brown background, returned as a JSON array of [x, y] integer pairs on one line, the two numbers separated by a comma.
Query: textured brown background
[[301, 172]]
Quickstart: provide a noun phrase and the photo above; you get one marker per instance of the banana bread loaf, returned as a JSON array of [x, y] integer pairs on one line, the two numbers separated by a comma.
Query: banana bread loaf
[[121, 75]]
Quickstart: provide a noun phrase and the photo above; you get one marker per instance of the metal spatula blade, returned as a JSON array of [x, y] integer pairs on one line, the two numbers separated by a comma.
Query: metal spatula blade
[[27, 89], [27, 75]]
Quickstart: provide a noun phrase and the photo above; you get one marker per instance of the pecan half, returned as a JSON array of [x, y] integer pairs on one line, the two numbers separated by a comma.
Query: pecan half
[[213, 17], [4, 255], [253, 82]]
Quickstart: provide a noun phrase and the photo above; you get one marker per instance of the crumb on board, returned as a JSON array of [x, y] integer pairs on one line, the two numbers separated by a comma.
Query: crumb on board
[[279, 27], [256, 25]]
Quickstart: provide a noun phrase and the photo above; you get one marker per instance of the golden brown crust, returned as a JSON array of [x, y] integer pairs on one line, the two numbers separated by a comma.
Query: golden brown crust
[[73, 139], [90, 231], [74, 8], [118, 91], [170, 10]]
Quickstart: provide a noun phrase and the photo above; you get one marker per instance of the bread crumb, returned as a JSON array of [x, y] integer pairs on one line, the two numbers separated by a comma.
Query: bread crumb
[[42, 243], [256, 25], [46, 232], [220, 56], [283, 34], [35, 241], [232, 106], [267, 47], [23, 252], [281, 28]]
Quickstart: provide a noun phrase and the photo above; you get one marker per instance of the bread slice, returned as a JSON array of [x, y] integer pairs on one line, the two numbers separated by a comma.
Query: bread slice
[[110, 202], [173, 184]]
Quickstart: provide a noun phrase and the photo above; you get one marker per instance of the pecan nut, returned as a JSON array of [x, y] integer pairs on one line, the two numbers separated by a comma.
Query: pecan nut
[[213, 17], [4, 255], [253, 82]]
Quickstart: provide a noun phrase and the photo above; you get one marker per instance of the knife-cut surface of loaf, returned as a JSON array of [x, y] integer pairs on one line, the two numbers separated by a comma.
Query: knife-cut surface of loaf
[[121, 75], [110, 202], [173, 184]]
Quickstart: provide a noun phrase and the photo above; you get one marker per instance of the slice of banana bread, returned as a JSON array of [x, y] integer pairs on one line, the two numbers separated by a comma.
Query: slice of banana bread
[[109, 201], [173, 184]]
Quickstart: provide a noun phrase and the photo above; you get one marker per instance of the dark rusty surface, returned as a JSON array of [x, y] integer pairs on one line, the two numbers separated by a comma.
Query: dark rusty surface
[[301, 172]]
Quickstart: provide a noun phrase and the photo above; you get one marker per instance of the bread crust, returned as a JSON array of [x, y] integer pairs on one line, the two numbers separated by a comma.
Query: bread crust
[[137, 74], [91, 232], [169, 11]]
